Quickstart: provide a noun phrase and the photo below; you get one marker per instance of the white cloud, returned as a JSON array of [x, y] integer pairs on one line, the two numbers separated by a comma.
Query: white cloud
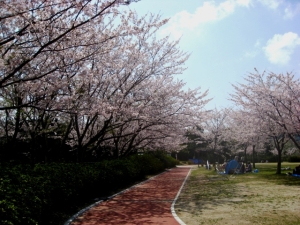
[[244, 2], [273, 4], [288, 8], [208, 12], [291, 10], [288, 13], [253, 53], [280, 48], [257, 44]]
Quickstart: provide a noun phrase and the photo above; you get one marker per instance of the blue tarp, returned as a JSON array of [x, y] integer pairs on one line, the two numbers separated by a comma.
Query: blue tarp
[[196, 161], [231, 165]]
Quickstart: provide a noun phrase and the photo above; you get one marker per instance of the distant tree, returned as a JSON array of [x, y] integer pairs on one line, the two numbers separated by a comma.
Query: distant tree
[[246, 132], [196, 143], [261, 98], [216, 133]]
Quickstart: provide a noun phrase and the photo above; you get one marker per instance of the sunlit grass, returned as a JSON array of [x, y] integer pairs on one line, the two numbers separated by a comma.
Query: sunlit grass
[[263, 198]]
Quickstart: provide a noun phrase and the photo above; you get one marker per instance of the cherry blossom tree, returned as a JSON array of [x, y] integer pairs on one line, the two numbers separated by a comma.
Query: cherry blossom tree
[[37, 36], [43, 46], [264, 97], [216, 133], [246, 131], [285, 101], [161, 121], [94, 78]]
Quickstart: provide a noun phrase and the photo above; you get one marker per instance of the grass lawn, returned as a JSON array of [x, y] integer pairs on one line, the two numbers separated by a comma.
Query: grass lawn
[[254, 198]]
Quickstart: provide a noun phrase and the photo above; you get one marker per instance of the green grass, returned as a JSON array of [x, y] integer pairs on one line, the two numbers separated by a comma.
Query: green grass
[[261, 198], [267, 173]]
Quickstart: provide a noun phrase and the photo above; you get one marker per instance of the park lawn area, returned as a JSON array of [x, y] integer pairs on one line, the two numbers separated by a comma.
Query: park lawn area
[[253, 198]]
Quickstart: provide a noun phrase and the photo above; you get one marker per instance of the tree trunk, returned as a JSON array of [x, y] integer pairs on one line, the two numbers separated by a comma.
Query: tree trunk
[[17, 121], [245, 154], [253, 156], [278, 170]]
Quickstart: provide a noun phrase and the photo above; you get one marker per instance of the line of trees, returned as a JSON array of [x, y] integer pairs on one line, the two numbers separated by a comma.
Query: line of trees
[[271, 102], [84, 80], [265, 117]]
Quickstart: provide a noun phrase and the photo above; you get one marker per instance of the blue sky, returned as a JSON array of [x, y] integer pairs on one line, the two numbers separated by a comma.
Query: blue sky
[[227, 39]]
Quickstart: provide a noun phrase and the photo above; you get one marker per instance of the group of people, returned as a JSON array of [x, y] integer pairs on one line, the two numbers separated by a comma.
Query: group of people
[[237, 166], [244, 169]]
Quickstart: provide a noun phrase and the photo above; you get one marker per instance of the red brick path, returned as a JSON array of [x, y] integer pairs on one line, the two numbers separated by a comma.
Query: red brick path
[[147, 203]]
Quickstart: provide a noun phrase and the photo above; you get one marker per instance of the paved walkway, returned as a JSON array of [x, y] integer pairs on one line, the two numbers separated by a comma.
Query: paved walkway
[[147, 203]]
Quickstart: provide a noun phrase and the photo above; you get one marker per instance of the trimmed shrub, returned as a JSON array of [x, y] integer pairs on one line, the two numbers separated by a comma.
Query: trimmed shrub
[[168, 161], [294, 159]]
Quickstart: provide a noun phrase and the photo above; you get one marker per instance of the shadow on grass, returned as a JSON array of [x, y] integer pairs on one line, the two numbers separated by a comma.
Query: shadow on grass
[[206, 189], [281, 179]]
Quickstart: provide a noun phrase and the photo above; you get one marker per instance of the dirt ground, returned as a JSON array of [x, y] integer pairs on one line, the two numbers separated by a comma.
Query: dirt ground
[[213, 200]]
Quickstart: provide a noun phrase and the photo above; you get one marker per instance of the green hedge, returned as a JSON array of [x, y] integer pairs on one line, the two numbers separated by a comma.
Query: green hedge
[[51, 193], [294, 159]]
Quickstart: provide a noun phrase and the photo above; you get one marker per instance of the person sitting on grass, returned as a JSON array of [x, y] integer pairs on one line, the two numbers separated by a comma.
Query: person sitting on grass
[[249, 167], [242, 168], [296, 170]]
